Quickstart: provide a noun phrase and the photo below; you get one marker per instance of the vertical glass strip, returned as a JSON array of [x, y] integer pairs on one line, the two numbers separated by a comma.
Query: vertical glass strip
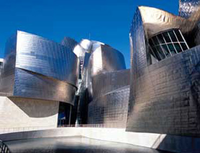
[[172, 43], [178, 40], [162, 52], [183, 39], [166, 44]]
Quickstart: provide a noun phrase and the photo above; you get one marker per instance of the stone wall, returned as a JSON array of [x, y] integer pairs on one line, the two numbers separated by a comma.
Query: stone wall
[[27, 113]]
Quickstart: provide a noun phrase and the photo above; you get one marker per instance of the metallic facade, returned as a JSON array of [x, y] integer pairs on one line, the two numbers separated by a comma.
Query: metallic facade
[[106, 59], [187, 7], [109, 105], [107, 84], [163, 94], [38, 68]]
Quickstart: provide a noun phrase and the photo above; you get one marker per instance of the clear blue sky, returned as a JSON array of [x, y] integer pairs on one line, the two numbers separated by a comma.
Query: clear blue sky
[[104, 20]]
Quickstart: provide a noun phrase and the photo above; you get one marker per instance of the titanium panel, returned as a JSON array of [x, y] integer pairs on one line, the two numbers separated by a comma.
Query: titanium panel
[[47, 58], [110, 110], [163, 95], [69, 42], [109, 103], [106, 59], [90, 45], [156, 20], [74, 46], [110, 81], [187, 7], [8, 70], [38, 68], [33, 85]]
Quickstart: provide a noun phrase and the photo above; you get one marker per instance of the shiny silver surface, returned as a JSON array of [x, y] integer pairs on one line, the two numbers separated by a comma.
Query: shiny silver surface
[[110, 109], [187, 7], [109, 105], [164, 95], [35, 67], [155, 20], [74, 45], [105, 59], [90, 45], [8, 70], [47, 58], [109, 81], [105, 86]]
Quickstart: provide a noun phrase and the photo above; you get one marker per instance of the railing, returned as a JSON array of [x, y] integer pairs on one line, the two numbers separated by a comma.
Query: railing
[[4, 148]]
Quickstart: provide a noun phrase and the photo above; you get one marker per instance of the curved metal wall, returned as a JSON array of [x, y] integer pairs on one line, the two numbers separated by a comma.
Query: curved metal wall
[[163, 95], [74, 45], [110, 81], [8, 70], [110, 110], [109, 106], [106, 59], [47, 58], [43, 69], [90, 45]]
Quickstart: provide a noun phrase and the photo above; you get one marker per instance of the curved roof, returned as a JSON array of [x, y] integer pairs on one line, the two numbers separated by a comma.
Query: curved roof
[[156, 20]]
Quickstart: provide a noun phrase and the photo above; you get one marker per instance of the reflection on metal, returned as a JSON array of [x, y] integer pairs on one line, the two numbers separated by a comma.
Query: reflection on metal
[[156, 20], [69, 72], [187, 7], [90, 45], [162, 92], [35, 67], [74, 45], [110, 109], [104, 87], [107, 82], [110, 99], [106, 59]]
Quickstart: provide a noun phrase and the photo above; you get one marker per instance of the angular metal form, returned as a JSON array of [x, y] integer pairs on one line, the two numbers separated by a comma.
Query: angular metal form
[[163, 94], [35, 67]]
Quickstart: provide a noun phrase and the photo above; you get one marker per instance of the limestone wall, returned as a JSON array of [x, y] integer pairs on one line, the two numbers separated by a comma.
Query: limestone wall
[[27, 113]]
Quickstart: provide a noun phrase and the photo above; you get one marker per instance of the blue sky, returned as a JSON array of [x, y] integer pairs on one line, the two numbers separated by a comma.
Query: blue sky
[[107, 21]]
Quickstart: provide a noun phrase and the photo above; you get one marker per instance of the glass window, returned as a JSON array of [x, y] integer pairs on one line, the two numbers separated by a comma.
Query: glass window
[[160, 52], [173, 37], [166, 50], [151, 42], [167, 43], [171, 48], [183, 45], [178, 48], [155, 53], [166, 36], [180, 38], [160, 38], [155, 40]]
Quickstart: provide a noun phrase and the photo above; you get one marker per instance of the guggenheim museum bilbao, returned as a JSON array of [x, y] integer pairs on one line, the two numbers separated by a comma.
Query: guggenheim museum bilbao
[[45, 84]]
